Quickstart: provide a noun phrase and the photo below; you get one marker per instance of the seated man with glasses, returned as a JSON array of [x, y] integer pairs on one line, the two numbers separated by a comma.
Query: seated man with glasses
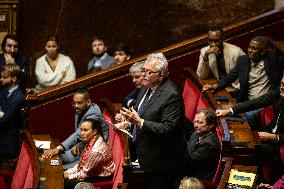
[[71, 148], [12, 55]]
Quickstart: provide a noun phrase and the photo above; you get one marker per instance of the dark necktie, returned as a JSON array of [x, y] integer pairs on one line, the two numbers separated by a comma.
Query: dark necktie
[[144, 102], [136, 130]]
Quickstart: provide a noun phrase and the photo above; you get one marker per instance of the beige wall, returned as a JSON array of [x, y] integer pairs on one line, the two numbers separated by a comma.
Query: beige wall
[[279, 4]]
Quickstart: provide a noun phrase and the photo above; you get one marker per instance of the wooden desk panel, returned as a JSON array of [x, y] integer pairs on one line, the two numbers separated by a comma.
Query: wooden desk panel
[[53, 174]]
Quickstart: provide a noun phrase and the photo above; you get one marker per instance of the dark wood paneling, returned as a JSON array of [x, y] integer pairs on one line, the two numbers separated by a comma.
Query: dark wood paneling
[[145, 25], [114, 83]]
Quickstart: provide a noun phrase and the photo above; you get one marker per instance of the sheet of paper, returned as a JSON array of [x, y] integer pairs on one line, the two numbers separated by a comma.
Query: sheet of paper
[[122, 130], [241, 178], [42, 144]]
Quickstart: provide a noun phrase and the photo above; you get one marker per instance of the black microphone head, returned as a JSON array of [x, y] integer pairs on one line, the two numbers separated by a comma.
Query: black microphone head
[[132, 103]]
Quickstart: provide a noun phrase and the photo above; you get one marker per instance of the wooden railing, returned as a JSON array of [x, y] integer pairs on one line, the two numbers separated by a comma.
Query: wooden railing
[[50, 111], [172, 52]]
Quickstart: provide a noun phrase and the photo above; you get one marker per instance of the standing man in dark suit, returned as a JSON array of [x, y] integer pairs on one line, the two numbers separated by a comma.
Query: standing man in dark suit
[[11, 103], [259, 73], [203, 147], [157, 114], [101, 59]]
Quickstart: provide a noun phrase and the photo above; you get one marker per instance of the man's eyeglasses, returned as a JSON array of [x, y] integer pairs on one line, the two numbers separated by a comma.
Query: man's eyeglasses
[[148, 72]]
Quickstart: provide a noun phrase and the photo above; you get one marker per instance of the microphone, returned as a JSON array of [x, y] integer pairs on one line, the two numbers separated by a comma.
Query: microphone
[[131, 103]]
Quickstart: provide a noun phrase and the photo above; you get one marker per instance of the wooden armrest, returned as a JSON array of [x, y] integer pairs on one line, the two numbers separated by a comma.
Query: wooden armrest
[[228, 161]]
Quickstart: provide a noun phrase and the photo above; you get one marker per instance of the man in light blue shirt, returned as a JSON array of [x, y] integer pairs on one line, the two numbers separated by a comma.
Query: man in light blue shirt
[[101, 59]]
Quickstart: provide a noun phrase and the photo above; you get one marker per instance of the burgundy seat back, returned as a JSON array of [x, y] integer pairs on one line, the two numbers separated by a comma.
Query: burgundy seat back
[[267, 115], [24, 173], [107, 116], [193, 100], [118, 158], [116, 145]]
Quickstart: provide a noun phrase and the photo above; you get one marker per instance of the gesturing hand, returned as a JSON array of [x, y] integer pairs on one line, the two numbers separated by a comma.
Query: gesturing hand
[[132, 116]]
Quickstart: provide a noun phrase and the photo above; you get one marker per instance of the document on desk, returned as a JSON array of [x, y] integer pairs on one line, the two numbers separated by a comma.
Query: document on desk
[[241, 179], [42, 144]]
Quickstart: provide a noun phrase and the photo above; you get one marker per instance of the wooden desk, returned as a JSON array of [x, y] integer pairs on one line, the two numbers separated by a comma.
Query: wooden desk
[[53, 174], [238, 141]]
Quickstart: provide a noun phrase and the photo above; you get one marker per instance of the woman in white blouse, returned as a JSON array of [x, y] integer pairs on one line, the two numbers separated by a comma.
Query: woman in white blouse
[[53, 68]]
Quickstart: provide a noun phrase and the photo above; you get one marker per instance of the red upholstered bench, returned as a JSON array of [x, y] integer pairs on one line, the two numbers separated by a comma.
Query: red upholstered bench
[[193, 100], [267, 115], [23, 177], [116, 144]]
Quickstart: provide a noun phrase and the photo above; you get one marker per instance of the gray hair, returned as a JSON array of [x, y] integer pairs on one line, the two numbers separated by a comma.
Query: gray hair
[[190, 183], [137, 67], [84, 185], [162, 63]]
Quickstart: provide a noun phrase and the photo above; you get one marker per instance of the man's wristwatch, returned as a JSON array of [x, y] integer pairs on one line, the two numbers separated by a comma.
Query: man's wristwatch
[[59, 148]]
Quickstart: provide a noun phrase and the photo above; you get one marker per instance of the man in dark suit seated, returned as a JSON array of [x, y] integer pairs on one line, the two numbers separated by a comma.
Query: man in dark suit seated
[[203, 147], [11, 102], [130, 101], [259, 72], [157, 114], [137, 78]]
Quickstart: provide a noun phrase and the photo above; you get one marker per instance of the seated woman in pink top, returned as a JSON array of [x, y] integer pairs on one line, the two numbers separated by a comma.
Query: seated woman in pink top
[[96, 162]]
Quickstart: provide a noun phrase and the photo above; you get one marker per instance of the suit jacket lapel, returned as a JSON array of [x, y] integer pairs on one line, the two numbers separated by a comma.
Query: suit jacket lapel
[[247, 70], [192, 144], [154, 96], [152, 99]]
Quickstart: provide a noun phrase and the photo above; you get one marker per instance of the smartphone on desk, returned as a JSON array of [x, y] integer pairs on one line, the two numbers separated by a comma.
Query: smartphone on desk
[[235, 118], [222, 98]]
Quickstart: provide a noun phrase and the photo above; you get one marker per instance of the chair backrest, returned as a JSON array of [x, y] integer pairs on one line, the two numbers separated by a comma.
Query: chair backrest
[[118, 158], [24, 173], [267, 115], [116, 145], [107, 116], [193, 100]]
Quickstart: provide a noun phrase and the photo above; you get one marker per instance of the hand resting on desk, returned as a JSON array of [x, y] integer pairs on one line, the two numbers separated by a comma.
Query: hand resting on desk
[[222, 113], [49, 153], [210, 87]]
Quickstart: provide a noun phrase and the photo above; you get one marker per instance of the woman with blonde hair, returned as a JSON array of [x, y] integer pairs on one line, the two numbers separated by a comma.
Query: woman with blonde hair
[[190, 183]]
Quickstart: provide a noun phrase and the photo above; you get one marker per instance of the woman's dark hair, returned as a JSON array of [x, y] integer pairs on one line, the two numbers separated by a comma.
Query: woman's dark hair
[[96, 125], [52, 38]]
